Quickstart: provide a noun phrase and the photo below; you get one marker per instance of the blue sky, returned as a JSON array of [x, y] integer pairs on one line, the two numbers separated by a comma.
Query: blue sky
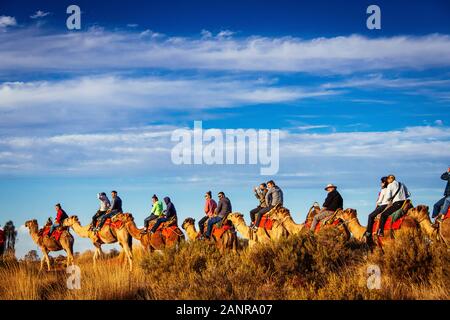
[[92, 110]]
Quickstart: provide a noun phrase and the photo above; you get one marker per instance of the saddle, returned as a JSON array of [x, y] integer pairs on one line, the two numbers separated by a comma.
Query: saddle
[[395, 220], [113, 223], [219, 228], [266, 222], [56, 234], [330, 221]]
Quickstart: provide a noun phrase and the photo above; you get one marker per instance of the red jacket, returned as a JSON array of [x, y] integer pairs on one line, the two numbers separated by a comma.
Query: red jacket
[[2, 236], [210, 207], [61, 215]]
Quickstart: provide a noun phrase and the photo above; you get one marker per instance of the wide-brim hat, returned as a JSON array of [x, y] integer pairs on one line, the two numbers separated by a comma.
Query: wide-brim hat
[[330, 185]]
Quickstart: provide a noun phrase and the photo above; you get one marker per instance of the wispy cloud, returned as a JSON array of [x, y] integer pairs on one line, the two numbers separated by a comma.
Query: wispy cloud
[[39, 14], [33, 49], [113, 100], [148, 149]]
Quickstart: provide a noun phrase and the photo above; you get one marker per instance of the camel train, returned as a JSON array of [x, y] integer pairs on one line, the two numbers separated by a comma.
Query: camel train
[[270, 221]]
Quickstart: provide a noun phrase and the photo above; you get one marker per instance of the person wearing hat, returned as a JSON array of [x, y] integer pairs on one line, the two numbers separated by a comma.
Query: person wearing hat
[[332, 202], [115, 208], [155, 213], [104, 206], [381, 205], [210, 207]]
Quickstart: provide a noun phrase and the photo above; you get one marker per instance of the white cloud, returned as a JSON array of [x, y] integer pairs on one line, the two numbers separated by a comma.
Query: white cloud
[[32, 49], [148, 149], [151, 34], [118, 101], [311, 127], [206, 33], [39, 14], [7, 21], [225, 34]]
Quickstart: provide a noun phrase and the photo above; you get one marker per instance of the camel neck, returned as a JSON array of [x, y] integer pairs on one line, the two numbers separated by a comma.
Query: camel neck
[[242, 227], [134, 231], [356, 229], [191, 232], [80, 230], [426, 224], [34, 234], [290, 224]]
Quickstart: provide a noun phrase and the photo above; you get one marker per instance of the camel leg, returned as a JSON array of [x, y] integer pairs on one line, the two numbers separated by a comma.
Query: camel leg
[[98, 252], [68, 248], [124, 243], [42, 262], [47, 258]]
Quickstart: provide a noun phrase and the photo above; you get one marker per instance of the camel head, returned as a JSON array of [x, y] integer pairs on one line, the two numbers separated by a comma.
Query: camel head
[[31, 224], [188, 221], [346, 215], [71, 221], [235, 216], [125, 217], [420, 212]]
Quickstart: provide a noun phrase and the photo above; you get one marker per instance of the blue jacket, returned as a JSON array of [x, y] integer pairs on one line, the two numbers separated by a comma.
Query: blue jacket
[[170, 209], [116, 204], [446, 176]]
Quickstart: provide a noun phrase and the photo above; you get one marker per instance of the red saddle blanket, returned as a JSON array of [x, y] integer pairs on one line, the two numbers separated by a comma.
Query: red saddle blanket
[[388, 225], [218, 232], [56, 234], [319, 225], [116, 224], [168, 231], [266, 222], [447, 214]]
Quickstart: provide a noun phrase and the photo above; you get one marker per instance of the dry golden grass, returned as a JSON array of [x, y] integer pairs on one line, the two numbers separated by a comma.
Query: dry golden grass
[[301, 267]]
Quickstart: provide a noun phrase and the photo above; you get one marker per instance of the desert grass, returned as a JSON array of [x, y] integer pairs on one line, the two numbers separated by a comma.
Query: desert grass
[[300, 267]]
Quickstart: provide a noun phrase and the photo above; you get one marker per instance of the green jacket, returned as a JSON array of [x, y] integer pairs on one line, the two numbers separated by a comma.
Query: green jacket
[[157, 208]]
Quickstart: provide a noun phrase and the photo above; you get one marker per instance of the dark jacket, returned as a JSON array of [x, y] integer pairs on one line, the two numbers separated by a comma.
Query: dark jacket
[[333, 201], [116, 204], [446, 176], [170, 209], [224, 207]]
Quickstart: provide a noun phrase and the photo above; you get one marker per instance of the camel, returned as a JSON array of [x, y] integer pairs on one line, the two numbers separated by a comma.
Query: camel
[[262, 235], [151, 242], [107, 235], [349, 216], [48, 244], [283, 215], [228, 240], [436, 232]]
